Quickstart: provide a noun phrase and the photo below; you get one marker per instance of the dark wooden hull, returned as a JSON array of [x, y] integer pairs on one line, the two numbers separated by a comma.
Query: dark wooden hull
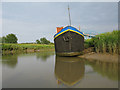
[[69, 44]]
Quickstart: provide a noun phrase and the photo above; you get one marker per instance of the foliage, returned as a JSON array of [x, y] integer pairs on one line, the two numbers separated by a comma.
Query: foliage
[[10, 38], [38, 42], [3, 39], [0, 40], [51, 43], [43, 41], [105, 42], [88, 43], [11, 47]]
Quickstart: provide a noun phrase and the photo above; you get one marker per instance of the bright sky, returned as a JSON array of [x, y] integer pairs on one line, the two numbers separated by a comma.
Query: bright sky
[[34, 20]]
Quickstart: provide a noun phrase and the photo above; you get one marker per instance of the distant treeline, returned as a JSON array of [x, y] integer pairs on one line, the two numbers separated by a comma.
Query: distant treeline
[[11, 38], [105, 42], [9, 44], [43, 41]]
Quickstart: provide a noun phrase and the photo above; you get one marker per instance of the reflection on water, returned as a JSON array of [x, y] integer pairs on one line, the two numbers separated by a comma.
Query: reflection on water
[[10, 60], [106, 69], [44, 69], [44, 55], [69, 70]]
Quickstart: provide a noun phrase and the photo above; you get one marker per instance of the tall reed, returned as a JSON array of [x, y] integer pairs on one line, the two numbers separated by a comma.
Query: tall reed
[[106, 42]]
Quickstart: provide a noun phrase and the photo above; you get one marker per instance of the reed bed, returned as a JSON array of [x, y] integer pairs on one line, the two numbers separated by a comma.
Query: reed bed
[[105, 43]]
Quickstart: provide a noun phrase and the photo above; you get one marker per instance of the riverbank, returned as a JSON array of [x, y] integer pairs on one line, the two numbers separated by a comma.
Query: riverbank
[[90, 55], [105, 42], [20, 48], [103, 47], [100, 57]]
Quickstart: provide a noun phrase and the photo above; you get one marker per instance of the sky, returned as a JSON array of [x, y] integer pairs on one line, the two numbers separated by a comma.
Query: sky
[[30, 21]]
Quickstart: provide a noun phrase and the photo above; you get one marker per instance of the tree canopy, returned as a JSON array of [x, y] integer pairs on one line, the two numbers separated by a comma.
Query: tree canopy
[[3, 39], [10, 38], [38, 42], [42, 41], [0, 40]]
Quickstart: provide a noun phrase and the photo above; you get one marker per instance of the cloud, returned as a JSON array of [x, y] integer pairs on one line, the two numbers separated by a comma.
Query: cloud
[[31, 21], [28, 32], [60, 0], [0, 19]]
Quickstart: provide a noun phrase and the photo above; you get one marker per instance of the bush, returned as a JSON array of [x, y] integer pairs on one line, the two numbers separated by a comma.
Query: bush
[[10, 38], [105, 42]]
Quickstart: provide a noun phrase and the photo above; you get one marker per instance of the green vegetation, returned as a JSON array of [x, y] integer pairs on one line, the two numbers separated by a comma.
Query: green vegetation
[[0, 46], [42, 41], [0, 40], [10, 38], [105, 42], [11, 47], [21, 48], [38, 42], [8, 44]]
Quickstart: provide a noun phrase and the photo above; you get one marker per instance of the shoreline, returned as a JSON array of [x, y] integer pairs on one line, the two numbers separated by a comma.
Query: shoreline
[[87, 54], [91, 55], [24, 51], [105, 57], [8, 48]]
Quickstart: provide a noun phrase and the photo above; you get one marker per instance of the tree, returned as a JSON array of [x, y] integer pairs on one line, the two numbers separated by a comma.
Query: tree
[[0, 40], [37, 41], [11, 38], [44, 41], [3, 39]]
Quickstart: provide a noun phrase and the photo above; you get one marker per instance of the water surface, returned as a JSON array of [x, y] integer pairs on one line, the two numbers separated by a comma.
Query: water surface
[[46, 70]]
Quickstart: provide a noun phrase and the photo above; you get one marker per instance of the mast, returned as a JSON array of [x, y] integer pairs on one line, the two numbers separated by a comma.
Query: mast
[[79, 27], [69, 15]]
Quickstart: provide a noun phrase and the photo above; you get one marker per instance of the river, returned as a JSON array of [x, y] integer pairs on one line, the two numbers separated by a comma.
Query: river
[[46, 70]]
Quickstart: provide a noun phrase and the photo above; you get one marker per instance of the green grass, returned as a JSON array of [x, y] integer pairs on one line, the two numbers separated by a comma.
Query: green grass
[[105, 42], [11, 47]]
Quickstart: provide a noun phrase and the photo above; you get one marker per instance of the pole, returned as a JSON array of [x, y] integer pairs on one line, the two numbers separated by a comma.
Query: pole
[[69, 15]]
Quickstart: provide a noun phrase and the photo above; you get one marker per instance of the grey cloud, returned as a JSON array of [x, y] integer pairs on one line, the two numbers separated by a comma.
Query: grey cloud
[[31, 21]]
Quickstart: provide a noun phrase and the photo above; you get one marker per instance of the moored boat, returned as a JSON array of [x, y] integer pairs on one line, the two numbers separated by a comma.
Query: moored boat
[[68, 41]]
